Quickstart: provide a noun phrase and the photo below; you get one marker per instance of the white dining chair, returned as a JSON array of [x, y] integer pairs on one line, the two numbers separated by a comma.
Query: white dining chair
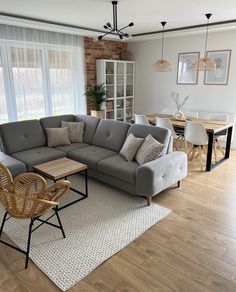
[[141, 119], [218, 136], [213, 116], [196, 135], [166, 123]]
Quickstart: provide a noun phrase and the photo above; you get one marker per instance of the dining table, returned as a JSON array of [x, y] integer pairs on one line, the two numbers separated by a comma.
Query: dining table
[[213, 128]]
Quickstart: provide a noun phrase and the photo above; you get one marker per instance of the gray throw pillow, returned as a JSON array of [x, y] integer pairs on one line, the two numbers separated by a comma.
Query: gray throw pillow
[[130, 147], [58, 137], [149, 150], [76, 130]]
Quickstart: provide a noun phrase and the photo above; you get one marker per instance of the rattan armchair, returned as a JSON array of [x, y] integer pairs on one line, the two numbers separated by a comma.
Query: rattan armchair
[[28, 197]]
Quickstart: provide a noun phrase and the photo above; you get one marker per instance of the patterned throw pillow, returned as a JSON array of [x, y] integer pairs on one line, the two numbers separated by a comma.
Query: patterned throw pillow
[[149, 150], [130, 147], [76, 131]]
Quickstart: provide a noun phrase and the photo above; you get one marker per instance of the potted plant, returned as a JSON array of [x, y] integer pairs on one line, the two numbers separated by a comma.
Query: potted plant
[[97, 93]]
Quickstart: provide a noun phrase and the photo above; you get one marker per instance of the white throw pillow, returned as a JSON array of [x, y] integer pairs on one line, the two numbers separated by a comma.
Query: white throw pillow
[[58, 137], [130, 147], [76, 130], [149, 150]]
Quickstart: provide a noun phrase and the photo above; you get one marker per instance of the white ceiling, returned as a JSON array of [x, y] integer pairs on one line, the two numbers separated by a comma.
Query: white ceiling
[[146, 14]]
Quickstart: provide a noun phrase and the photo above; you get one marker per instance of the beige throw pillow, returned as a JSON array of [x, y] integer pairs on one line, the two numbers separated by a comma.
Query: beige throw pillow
[[149, 150], [58, 137], [130, 147], [76, 130]]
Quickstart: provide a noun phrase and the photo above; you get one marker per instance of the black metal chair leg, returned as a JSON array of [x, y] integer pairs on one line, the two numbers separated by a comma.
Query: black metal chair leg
[[28, 243], [3, 222], [59, 221]]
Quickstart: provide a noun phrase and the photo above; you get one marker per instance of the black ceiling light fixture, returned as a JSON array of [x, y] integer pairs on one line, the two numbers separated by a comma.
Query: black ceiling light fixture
[[114, 29]]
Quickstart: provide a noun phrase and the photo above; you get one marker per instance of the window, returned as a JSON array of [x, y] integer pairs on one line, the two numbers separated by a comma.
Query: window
[[3, 107], [26, 67], [61, 78], [40, 78]]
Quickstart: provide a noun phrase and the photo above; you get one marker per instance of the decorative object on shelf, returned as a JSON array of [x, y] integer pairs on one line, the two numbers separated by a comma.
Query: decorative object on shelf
[[185, 74], [205, 64], [162, 65], [180, 102], [97, 93], [127, 56], [221, 74], [114, 30]]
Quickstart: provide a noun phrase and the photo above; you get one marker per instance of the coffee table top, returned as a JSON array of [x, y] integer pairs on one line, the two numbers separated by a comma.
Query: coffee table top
[[60, 168]]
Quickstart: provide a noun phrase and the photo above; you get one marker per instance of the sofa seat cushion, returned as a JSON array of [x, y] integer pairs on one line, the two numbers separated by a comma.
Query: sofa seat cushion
[[38, 155], [72, 147], [118, 166], [15, 166], [91, 155]]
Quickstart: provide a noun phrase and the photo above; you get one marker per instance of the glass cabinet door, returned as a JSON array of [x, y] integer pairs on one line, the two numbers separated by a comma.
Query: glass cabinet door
[[120, 79], [110, 79], [129, 79], [110, 109], [130, 68], [129, 109], [120, 109]]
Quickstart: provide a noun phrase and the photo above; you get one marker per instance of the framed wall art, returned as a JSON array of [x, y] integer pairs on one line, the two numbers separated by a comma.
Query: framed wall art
[[185, 74], [221, 75]]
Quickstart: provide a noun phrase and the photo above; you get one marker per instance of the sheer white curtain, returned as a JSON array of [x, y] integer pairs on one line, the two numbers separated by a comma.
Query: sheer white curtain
[[41, 73]]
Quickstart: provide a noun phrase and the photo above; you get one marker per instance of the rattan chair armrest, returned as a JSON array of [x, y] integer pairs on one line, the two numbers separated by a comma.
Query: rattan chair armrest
[[57, 190], [29, 199], [48, 202]]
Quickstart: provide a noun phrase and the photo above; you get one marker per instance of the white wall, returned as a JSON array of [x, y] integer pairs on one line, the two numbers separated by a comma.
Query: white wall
[[153, 88]]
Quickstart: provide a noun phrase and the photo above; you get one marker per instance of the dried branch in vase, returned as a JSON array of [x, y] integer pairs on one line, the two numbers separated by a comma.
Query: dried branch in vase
[[180, 102]]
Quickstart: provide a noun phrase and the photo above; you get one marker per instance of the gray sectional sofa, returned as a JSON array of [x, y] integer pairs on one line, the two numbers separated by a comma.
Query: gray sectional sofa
[[24, 144]]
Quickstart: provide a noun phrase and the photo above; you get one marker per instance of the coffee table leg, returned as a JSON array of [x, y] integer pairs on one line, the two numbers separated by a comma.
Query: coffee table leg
[[86, 182], [84, 195]]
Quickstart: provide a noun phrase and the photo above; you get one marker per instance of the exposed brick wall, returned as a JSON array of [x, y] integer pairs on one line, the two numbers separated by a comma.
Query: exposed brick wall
[[99, 50]]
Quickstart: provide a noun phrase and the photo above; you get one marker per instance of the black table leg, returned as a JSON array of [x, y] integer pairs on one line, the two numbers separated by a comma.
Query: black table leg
[[83, 195], [86, 182], [209, 164], [228, 142], [209, 152]]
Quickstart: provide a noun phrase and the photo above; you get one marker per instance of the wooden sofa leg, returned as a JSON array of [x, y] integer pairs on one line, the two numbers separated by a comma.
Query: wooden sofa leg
[[149, 200], [179, 183]]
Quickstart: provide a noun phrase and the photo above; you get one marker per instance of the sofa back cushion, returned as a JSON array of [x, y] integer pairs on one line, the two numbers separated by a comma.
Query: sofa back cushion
[[160, 134], [90, 126], [111, 134], [23, 135], [55, 121]]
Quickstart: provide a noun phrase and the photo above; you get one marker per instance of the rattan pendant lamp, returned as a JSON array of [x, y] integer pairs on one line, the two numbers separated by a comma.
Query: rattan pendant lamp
[[162, 65], [205, 64]]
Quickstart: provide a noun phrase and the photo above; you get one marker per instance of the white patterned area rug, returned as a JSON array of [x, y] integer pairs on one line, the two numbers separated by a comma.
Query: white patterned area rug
[[96, 228]]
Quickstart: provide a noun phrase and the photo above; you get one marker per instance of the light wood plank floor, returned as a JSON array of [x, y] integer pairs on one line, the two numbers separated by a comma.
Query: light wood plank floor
[[193, 249]]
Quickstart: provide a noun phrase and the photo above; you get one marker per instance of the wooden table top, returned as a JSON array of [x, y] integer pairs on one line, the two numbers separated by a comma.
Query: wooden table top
[[211, 126], [60, 168]]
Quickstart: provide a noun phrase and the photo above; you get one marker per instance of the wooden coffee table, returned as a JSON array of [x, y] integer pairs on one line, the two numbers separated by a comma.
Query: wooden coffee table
[[61, 169]]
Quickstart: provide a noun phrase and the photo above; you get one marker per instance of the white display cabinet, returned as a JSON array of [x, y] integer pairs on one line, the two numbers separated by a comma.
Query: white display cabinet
[[118, 78]]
